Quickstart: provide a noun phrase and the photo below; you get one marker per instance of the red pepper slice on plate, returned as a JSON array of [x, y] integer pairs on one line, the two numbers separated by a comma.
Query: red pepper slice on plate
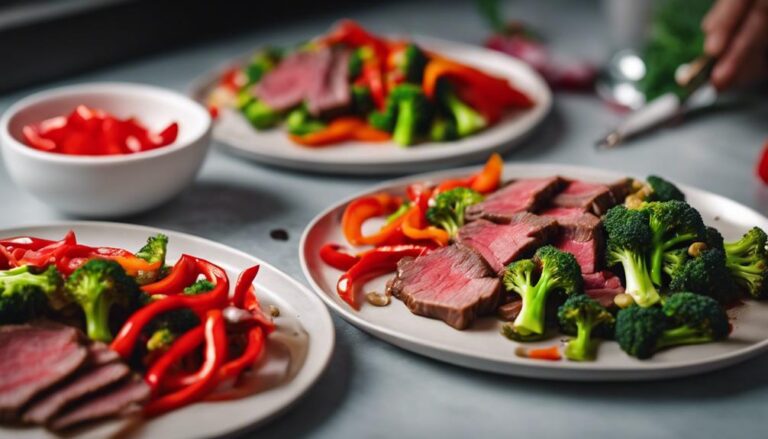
[[181, 347], [338, 257], [364, 208], [243, 285], [762, 165], [486, 181], [182, 275], [215, 356], [373, 263]]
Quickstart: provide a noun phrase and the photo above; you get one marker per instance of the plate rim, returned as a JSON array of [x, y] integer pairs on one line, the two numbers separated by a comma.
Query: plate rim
[[541, 369], [396, 165], [323, 356]]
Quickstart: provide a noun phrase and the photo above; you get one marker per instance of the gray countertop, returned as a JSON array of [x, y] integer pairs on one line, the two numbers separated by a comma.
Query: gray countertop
[[373, 389]]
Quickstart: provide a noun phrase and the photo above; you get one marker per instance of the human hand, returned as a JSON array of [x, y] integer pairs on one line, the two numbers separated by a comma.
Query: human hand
[[737, 33]]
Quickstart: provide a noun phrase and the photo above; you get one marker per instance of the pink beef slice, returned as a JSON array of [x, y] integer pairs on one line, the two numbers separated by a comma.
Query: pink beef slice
[[115, 400], [581, 234], [518, 196], [451, 283], [34, 357], [500, 244], [602, 286], [331, 91], [596, 198], [511, 309]]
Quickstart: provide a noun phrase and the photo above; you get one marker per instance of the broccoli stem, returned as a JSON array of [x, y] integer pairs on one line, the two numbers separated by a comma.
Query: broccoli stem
[[682, 335], [583, 347], [405, 129], [97, 319], [639, 283], [530, 321], [468, 121], [657, 254]]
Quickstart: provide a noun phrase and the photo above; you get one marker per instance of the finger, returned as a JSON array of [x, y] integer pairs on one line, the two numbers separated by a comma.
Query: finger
[[721, 22], [750, 40]]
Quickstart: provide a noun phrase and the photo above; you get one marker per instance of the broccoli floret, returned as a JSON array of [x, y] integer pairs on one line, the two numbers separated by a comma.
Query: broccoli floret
[[443, 130], [96, 287], [674, 260], [299, 122], [448, 210], [384, 120], [707, 275], [153, 251], [362, 100], [714, 240], [413, 113], [673, 224], [552, 271], [25, 295], [201, 286], [663, 190], [629, 244], [261, 63], [410, 62], [261, 115], [468, 120], [747, 261], [585, 318], [685, 318]]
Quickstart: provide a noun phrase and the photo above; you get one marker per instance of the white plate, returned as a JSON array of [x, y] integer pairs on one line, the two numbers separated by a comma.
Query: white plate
[[303, 356], [275, 148], [482, 347]]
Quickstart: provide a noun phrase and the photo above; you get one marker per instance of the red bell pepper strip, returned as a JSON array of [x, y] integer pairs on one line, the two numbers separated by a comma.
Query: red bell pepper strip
[[337, 257], [364, 208], [373, 77], [340, 130], [182, 275], [551, 353], [413, 229], [374, 263], [181, 347], [762, 165], [243, 285], [217, 298], [350, 33], [215, 355], [486, 181]]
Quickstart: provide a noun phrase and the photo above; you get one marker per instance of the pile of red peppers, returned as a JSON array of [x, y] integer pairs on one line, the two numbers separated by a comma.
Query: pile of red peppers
[[407, 233]]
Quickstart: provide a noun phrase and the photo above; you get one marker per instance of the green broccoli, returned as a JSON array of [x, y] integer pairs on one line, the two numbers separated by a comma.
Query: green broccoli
[[200, 286], [410, 62], [663, 190], [413, 113], [261, 63], [674, 260], [399, 212], [153, 251], [362, 100], [443, 129], [673, 224], [356, 60], [260, 115], [384, 120], [685, 318], [584, 317], [449, 207], [707, 275], [468, 120], [301, 123], [747, 261], [629, 244], [96, 287], [552, 271], [164, 329], [25, 295], [714, 240]]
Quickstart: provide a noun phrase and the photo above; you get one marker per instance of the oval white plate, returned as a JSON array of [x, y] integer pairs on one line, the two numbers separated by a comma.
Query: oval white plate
[[275, 148], [300, 313], [482, 347]]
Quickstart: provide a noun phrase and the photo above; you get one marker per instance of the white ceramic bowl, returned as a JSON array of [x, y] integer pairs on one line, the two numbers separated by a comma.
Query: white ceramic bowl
[[107, 186]]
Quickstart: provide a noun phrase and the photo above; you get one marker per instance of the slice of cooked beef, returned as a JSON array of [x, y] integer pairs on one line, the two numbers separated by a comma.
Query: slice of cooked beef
[[580, 234], [451, 283], [501, 244], [620, 189], [591, 197], [34, 357], [331, 91], [602, 286], [99, 354], [86, 382], [511, 309], [288, 84], [518, 196], [112, 401]]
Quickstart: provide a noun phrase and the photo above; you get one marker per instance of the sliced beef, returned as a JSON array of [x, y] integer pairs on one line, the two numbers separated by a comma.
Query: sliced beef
[[99, 354], [518, 196], [620, 189], [580, 234], [318, 77], [34, 357], [602, 286], [511, 309], [591, 197], [112, 401], [500, 244], [451, 283], [86, 382]]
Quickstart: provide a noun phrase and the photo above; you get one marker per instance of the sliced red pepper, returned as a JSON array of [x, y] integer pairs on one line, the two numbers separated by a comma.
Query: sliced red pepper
[[762, 165], [181, 347], [373, 77], [364, 208], [169, 134], [372, 264], [215, 356], [338, 257], [182, 275], [486, 181], [243, 285]]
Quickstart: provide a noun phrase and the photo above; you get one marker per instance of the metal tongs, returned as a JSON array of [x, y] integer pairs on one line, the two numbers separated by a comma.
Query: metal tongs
[[695, 92]]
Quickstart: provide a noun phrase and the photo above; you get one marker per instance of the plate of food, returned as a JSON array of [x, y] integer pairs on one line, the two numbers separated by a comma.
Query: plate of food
[[547, 271], [120, 330], [352, 102]]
